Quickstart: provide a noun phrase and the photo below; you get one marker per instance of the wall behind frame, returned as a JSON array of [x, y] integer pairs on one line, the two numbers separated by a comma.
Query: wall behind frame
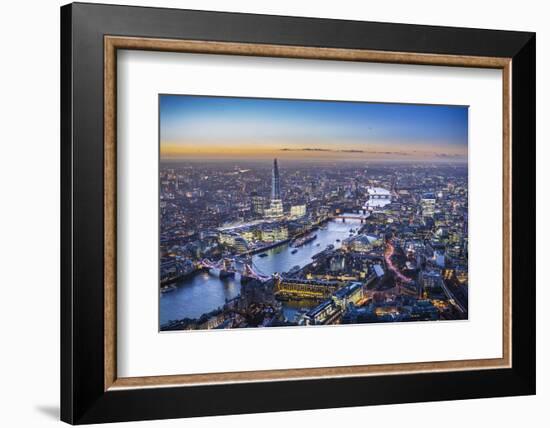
[[29, 220]]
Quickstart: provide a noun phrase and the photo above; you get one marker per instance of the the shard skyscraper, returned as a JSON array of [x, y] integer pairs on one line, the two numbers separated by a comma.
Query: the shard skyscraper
[[275, 182], [276, 207]]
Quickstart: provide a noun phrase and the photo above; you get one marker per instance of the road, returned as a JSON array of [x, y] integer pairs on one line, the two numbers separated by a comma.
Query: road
[[390, 250]]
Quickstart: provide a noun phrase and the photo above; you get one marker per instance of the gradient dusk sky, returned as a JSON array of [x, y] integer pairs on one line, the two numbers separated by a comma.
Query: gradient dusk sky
[[202, 127]]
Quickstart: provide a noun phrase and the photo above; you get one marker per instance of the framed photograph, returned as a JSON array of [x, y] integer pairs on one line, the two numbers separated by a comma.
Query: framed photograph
[[257, 207]]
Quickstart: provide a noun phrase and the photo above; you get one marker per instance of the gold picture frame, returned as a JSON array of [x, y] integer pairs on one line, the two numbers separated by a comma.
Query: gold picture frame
[[114, 43]]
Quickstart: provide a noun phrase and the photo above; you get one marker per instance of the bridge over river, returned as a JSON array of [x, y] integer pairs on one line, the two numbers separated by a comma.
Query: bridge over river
[[353, 216], [205, 292]]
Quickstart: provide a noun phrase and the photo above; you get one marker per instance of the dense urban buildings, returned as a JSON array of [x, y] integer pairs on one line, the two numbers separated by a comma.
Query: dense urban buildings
[[328, 256], [312, 238]]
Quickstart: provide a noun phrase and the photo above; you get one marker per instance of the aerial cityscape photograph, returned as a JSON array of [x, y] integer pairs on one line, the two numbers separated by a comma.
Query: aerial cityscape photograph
[[282, 212]]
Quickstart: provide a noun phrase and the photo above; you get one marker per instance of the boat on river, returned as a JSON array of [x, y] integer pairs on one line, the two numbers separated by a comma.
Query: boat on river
[[294, 269], [298, 242], [168, 289]]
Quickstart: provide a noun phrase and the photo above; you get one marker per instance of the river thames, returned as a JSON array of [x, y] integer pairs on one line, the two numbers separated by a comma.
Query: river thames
[[205, 292]]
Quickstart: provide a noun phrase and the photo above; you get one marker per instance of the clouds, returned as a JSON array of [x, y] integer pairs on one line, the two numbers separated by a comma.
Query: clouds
[[305, 149], [311, 128], [399, 153]]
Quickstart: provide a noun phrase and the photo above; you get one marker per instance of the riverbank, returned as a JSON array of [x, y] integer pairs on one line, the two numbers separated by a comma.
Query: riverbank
[[203, 292], [168, 282], [313, 228], [266, 248]]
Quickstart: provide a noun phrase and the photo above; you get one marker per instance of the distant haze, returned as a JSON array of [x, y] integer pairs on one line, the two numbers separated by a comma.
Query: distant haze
[[199, 127]]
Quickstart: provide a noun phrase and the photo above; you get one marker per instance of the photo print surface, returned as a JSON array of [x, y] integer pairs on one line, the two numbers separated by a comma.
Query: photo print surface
[[283, 212]]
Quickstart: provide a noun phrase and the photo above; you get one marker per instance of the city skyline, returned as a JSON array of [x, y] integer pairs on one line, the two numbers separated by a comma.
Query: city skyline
[[198, 127], [312, 232]]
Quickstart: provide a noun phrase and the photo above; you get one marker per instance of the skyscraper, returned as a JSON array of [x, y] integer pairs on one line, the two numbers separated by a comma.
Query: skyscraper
[[427, 204], [276, 206], [275, 182], [259, 204]]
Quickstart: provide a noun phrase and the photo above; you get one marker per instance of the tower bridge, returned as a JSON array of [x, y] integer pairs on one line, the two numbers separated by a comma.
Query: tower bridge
[[230, 266]]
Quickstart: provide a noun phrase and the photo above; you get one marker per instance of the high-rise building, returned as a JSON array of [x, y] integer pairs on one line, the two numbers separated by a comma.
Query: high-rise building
[[274, 233], [431, 279], [427, 204], [259, 204], [276, 206], [297, 210], [275, 182], [337, 263]]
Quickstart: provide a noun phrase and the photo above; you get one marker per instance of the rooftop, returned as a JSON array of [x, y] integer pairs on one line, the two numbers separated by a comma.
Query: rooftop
[[347, 290], [378, 191], [321, 307]]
